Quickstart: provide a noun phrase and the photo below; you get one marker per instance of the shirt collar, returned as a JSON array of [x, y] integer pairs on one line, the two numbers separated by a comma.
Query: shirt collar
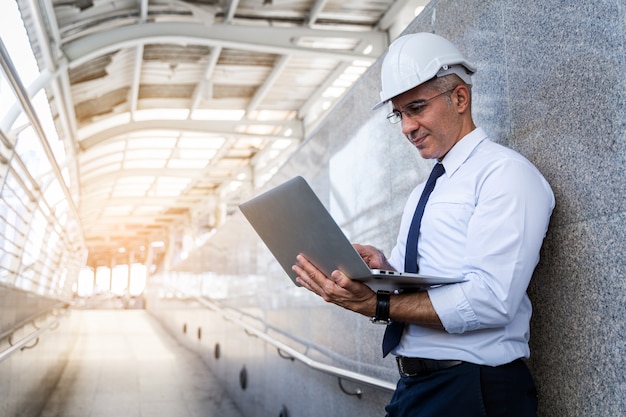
[[462, 150]]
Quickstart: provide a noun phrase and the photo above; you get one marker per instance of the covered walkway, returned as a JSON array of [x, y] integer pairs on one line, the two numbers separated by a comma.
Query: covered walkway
[[124, 364]]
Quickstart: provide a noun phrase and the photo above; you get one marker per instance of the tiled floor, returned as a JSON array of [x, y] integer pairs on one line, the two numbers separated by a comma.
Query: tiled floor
[[125, 365]]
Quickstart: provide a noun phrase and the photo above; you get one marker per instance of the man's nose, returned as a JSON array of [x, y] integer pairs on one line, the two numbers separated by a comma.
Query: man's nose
[[409, 124]]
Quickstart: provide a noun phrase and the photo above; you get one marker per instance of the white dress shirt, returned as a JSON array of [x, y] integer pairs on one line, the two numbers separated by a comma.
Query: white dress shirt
[[484, 221]]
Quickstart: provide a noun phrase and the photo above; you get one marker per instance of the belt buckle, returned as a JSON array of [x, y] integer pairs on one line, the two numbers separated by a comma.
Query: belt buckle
[[414, 372], [400, 364]]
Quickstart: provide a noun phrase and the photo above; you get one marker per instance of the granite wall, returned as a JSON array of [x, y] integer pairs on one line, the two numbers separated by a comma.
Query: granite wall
[[551, 84]]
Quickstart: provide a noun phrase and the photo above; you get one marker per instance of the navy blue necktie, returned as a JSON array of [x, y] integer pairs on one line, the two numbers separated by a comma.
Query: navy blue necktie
[[393, 332]]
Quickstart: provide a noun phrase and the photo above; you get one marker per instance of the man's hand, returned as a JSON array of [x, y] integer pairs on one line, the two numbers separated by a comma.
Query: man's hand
[[412, 307], [373, 257], [337, 289]]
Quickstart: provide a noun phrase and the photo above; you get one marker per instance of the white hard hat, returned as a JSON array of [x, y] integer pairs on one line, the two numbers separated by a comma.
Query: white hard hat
[[416, 58]]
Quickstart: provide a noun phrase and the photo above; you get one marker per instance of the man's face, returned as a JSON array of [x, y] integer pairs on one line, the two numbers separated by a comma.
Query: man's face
[[437, 127]]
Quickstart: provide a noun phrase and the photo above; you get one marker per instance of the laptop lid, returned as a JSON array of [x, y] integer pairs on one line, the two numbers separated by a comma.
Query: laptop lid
[[290, 219]]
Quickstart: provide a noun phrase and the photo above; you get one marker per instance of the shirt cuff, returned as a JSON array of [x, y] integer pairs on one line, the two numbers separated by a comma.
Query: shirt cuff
[[453, 309]]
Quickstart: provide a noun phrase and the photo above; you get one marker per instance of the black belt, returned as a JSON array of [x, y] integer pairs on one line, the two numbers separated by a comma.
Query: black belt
[[418, 367]]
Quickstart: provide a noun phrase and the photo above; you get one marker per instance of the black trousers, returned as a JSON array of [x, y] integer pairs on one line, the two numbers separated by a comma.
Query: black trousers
[[467, 390]]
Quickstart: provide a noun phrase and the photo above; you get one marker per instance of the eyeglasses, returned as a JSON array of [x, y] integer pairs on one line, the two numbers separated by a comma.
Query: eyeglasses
[[414, 108]]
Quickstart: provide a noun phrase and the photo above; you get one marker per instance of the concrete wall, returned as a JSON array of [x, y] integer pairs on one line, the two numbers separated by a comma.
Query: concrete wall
[[551, 84]]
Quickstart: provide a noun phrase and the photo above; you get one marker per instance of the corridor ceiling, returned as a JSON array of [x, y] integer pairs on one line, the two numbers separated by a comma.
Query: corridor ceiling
[[174, 110]]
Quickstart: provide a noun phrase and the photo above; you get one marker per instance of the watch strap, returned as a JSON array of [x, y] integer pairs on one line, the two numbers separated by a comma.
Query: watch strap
[[382, 307]]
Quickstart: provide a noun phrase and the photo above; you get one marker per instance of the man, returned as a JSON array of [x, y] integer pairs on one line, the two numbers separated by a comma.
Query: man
[[462, 346]]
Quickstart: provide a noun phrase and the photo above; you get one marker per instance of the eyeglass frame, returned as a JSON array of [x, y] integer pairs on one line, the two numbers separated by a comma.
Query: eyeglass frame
[[420, 104]]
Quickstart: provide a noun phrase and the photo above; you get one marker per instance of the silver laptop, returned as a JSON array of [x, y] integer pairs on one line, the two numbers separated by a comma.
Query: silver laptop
[[290, 219]]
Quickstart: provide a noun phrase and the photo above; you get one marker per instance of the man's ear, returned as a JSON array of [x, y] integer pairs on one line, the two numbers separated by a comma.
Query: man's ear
[[461, 98]]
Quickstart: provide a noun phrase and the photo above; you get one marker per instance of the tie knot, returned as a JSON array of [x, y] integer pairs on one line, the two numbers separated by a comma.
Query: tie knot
[[437, 172]]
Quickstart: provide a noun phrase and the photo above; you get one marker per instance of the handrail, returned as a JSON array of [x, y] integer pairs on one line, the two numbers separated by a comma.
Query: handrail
[[340, 373], [24, 322], [21, 344]]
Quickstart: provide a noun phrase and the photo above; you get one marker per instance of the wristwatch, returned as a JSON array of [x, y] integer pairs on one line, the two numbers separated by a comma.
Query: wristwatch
[[382, 308]]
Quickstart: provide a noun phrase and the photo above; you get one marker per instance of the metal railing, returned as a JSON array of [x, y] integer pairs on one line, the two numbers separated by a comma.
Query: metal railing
[[23, 343], [283, 349]]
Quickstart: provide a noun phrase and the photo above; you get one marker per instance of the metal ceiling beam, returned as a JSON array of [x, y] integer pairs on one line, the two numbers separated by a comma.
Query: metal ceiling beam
[[210, 127], [230, 13], [330, 79], [262, 91], [49, 40], [138, 61], [136, 78], [315, 11], [208, 74], [282, 41], [45, 18], [391, 16]]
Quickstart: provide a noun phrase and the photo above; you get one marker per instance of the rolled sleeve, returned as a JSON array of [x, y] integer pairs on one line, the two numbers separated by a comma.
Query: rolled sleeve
[[453, 308]]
